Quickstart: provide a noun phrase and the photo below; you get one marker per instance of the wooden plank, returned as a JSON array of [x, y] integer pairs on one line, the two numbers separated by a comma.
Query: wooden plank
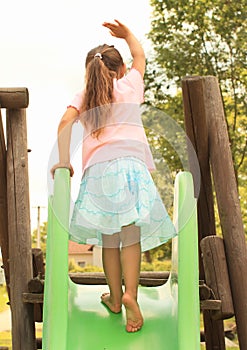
[[23, 330], [214, 305], [216, 274], [14, 98], [4, 240], [33, 298], [146, 278], [228, 204], [143, 274]]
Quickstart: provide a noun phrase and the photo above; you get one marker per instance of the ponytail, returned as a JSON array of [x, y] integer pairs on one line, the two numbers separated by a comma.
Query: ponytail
[[102, 66]]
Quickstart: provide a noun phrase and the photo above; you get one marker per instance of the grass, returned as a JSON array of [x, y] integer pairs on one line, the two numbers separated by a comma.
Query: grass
[[5, 337]]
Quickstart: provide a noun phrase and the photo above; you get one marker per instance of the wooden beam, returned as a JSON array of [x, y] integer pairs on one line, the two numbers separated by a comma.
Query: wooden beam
[[147, 278], [23, 330], [228, 204], [14, 98], [4, 240]]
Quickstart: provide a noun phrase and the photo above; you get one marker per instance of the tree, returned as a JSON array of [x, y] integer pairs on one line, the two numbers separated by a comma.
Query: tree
[[43, 237], [202, 37]]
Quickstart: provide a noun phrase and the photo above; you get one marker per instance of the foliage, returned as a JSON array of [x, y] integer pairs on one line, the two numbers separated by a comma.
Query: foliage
[[190, 38], [43, 237], [3, 298], [73, 267], [5, 339], [156, 266]]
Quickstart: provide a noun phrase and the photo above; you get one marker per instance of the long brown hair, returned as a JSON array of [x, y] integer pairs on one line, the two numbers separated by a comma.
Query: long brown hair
[[103, 64]]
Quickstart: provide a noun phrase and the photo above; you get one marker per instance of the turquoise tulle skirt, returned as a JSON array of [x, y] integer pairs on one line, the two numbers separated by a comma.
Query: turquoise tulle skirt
[[119, 193]]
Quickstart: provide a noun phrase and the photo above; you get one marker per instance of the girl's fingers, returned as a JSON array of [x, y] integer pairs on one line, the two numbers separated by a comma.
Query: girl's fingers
[[119, 23], [108, 24]]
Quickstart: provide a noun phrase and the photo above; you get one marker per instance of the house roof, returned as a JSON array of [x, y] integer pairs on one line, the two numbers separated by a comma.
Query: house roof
[[75, 248]]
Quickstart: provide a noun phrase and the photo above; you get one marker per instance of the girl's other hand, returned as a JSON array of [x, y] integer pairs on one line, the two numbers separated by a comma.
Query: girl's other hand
[[117, 29], [62, 165]]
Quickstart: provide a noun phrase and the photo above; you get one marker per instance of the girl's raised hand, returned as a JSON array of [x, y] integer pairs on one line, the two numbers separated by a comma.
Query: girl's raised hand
[[117, 29]]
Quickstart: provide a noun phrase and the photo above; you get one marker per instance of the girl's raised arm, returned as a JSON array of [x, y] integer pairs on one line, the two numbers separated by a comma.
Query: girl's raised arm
[[119, 30]]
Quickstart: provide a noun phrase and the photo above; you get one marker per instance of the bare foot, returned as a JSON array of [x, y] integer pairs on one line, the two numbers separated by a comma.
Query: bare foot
[[133, 313], [113, 307]]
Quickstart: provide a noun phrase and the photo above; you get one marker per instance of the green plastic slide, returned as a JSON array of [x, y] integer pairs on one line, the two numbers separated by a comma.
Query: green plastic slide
[[74, 318]]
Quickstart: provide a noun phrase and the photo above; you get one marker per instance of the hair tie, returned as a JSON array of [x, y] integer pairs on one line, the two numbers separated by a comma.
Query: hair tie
[[98, 54]]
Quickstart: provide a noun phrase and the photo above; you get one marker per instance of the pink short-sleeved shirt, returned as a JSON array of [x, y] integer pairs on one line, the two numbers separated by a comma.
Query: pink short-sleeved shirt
[[123, 134]]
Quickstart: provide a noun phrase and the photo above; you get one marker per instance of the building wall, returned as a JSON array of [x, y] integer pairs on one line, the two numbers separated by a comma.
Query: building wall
[[93, 258], [97, 256], [82, 259]]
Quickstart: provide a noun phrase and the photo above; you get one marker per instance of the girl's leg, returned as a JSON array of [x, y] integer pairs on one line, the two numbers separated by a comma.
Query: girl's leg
[[113, 272], [131, 260]]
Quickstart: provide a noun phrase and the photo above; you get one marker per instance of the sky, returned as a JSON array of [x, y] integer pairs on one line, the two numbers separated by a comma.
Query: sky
[[43, 47]]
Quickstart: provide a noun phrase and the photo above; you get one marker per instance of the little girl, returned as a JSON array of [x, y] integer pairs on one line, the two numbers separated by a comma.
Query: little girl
[[118, 206]]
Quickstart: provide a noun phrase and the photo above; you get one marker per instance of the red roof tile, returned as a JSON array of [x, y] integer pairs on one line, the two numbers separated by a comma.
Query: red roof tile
[[75, 248]]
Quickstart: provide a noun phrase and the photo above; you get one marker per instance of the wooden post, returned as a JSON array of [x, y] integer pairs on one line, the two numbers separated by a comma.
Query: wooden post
[[197, 131], [9, 98], [23, 330], [228, 204], [4, 241], [216, 275]]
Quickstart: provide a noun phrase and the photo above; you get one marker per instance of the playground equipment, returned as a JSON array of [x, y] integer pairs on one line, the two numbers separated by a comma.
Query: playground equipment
[[222, 294], [171, 311]]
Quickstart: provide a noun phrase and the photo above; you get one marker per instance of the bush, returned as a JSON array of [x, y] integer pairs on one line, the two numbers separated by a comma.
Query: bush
[[73, 267], [156, 265]]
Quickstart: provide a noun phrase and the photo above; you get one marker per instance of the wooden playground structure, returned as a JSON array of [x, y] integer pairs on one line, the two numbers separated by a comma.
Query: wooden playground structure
[[223, 260]]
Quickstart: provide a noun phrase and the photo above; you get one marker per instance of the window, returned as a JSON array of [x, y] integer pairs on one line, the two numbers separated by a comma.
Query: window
[[82, 263]]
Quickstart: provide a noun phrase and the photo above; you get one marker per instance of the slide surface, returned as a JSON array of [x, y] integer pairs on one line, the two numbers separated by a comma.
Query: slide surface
[[74, 318]]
